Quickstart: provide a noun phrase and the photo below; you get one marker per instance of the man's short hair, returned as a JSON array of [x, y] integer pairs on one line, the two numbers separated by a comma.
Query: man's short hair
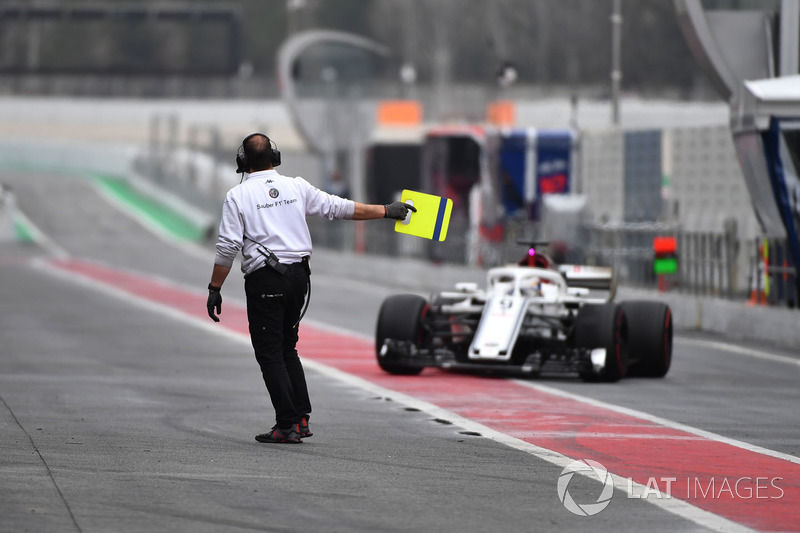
[[258, 151]]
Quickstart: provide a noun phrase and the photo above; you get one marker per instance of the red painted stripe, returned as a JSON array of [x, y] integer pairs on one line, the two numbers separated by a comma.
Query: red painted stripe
[[154, 290], [706, 472]]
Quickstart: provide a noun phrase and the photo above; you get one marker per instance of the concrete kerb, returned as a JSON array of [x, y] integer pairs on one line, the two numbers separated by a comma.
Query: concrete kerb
[[734, 319]]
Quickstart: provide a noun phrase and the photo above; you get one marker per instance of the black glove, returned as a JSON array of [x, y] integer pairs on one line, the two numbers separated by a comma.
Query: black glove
[[398, 210], [214, 301]]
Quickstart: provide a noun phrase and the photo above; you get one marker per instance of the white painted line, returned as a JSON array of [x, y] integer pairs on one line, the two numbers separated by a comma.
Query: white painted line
[[661, 421], [627, 411], [190, 248], [674, 506], [583, 435], [46, 267], [750, 352], [41, 238]]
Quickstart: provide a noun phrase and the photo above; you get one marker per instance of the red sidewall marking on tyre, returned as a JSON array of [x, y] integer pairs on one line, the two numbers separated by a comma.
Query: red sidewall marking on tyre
[[667, 338], [712, 475]]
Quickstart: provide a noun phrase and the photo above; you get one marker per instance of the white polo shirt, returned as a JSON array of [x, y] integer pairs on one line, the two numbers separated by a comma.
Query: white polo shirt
[[270, 209]]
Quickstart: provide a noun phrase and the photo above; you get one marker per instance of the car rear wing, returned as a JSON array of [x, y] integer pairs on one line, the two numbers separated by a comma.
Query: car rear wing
[[594, 278]]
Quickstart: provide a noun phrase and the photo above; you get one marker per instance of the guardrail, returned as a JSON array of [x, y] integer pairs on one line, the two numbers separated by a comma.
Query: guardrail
[[708, 263]]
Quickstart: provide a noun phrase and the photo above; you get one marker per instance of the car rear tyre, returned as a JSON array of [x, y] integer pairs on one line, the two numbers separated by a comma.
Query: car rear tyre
[[400, 318], [603, 326], [650, 338]]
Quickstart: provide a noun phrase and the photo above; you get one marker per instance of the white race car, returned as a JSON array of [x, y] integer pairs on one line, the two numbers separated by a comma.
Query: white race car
[[533, 318]]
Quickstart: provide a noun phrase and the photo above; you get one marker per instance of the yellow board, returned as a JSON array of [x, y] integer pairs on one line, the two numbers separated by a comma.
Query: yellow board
[[431, 219]]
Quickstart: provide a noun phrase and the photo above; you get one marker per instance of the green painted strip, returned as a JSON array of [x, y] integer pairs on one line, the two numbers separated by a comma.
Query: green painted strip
[[23, 232], [167, 220]]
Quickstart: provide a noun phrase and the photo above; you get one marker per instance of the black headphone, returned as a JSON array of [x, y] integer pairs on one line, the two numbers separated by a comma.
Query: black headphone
[[243, 165]]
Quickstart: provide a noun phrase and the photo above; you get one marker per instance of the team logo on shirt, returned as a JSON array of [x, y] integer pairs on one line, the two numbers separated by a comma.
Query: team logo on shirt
[[273, 193]]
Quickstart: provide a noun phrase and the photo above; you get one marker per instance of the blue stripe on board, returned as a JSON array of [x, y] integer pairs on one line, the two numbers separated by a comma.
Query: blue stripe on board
[[437, 229]]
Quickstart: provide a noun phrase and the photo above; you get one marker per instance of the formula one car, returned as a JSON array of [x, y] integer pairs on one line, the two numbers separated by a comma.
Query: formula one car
[[533, 318]]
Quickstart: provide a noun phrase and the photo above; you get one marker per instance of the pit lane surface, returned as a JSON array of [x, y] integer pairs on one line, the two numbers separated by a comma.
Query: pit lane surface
[[127, 418]]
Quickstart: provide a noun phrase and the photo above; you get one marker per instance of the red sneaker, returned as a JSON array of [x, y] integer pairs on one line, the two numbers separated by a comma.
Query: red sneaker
[[304, 431], [284, 436]]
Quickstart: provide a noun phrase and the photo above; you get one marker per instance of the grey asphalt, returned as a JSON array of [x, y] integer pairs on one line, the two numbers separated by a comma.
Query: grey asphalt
[[117, 418]]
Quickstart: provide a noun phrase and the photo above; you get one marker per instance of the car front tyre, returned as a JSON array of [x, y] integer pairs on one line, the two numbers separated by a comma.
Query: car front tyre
[[603, 326], [401, 319]]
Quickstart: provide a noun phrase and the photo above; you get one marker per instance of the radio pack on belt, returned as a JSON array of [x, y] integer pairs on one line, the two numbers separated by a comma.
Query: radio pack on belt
[[272, 260]]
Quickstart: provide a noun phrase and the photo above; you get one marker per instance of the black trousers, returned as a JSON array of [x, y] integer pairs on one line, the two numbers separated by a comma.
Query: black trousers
[[274, 304]]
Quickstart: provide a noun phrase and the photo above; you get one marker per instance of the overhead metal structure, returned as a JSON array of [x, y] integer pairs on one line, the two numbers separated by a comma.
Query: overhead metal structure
[[756, 72], [14, 16], [336, 121], [288, 57]]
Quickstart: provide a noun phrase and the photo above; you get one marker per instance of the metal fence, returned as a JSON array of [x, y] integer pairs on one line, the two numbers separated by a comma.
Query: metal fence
[[772, 274], [709, 264]]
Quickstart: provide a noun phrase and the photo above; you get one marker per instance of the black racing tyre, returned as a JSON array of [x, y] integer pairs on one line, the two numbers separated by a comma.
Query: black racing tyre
[[603, 326], [400, 318], [649, 337]]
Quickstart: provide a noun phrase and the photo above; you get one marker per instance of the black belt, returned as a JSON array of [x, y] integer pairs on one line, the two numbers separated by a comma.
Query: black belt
[[281, 268]]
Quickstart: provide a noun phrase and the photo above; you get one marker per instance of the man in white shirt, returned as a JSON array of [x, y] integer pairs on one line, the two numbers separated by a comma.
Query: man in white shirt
[[264, 217]]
